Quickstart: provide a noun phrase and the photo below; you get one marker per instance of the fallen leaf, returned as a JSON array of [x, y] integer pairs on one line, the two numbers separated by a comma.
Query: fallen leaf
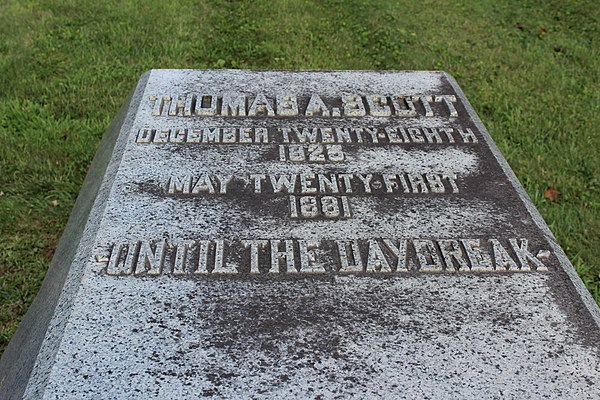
[[551, 193], [54, 203], [519, 26]]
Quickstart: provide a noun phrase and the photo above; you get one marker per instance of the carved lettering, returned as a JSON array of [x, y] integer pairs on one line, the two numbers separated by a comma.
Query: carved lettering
[[287, 105], [150, 258]]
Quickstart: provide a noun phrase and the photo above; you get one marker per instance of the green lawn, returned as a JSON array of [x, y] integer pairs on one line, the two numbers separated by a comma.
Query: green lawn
[[531, 70]]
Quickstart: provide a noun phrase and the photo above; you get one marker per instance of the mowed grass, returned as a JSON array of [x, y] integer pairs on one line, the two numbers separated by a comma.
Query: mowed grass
[[530, 69]]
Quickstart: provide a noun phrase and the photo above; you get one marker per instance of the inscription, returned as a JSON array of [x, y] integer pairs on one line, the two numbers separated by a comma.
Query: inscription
[[289, 105], [319, 187], [387, 121], [308, 135], [398, 183], [291, 256], [311, 153], [310, 207], [208, 184]]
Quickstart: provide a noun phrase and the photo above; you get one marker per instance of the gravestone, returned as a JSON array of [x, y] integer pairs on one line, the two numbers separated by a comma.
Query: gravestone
[[304, 235]]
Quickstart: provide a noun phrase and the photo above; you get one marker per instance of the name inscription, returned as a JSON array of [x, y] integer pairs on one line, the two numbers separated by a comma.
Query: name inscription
[[289, 105]]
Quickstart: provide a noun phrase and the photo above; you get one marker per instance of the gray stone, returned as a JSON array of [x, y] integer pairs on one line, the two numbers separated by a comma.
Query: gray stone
[[304, 235]]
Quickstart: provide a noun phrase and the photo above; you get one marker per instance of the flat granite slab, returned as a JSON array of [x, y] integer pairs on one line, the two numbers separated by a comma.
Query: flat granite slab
[[294, 234]]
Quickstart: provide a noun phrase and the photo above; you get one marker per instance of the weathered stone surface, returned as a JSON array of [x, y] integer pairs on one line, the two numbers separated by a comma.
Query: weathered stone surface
[[305, 235]]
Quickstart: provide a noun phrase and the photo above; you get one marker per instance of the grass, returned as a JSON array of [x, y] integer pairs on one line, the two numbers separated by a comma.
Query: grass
[[531, 70]]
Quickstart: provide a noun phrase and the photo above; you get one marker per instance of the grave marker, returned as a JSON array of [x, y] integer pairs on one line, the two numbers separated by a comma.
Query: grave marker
[[304, 235]]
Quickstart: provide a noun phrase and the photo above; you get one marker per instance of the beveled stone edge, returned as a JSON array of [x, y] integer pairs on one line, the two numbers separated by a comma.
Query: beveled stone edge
[[578, 284], [21, 354]]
